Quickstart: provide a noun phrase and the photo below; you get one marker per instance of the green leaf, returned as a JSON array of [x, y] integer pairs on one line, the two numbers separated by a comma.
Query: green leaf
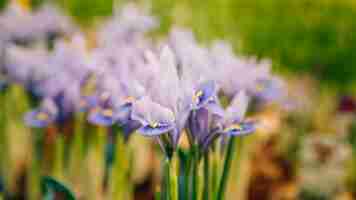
[[51, 188]]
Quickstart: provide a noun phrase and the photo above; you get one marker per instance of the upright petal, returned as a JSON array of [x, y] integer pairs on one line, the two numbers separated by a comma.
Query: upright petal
[[238, 107], [148, 112]]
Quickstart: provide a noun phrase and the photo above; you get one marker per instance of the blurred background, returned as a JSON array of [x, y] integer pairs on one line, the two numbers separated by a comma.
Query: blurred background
[[307, 152]]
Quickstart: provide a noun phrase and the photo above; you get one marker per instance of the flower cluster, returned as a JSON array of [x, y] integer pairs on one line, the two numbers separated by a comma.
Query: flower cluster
[[161, 90]]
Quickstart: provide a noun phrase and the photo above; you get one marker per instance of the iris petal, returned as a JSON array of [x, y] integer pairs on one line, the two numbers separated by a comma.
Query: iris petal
[[204, 93], [158, 129], [242, 128], [215, 108], [38, 119], [87, 103], [100, 118], [123, 113]]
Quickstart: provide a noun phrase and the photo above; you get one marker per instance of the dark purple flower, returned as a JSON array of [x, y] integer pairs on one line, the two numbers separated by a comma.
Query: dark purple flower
[[203, 127]]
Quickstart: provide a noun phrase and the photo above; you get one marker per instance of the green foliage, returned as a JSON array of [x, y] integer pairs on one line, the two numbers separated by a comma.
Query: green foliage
[[314, 36], [53, 188], [85, 12], [3, 4], [36, 3], [352, 137], [305, 35]]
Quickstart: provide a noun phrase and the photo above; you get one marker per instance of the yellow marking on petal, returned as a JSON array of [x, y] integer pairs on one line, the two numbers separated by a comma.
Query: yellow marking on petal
[[107, 112], [197, 96], [130, 99], [42, 116], [154, 125], [104, 96], [260, 87], [237, 127]]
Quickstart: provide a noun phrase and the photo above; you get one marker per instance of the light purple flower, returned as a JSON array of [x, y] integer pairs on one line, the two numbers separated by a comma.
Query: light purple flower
[[26, 67], [20, 25], [195, 69], [129, 24], [167, 107]]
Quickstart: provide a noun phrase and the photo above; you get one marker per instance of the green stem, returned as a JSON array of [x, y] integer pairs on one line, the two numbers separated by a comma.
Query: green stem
[[206, 176], [195, 175], [226, 169], [184, 168], [76, 157], [121, 187], [173, 181], [214, 171], [3, 137], [59, 158], [35, 165], [166, 184]]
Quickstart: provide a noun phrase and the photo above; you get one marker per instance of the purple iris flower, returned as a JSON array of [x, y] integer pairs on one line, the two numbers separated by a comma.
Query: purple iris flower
[[23, 26], [3, 78], [270, 90], [64, 95], [45, 73], [203, 127], [173, 95], [28, 68], [62, 79], [121, 90], [128, 25], [167, 105], [154, 118], [111, 110], [252, 75], [103, 114], [196, 70]]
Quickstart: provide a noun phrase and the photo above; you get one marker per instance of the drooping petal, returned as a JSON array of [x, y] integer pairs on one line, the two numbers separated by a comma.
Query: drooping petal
[[241, 128], [87, 103], [38, 119], [155, 129], [43, 116], [102, 116]]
